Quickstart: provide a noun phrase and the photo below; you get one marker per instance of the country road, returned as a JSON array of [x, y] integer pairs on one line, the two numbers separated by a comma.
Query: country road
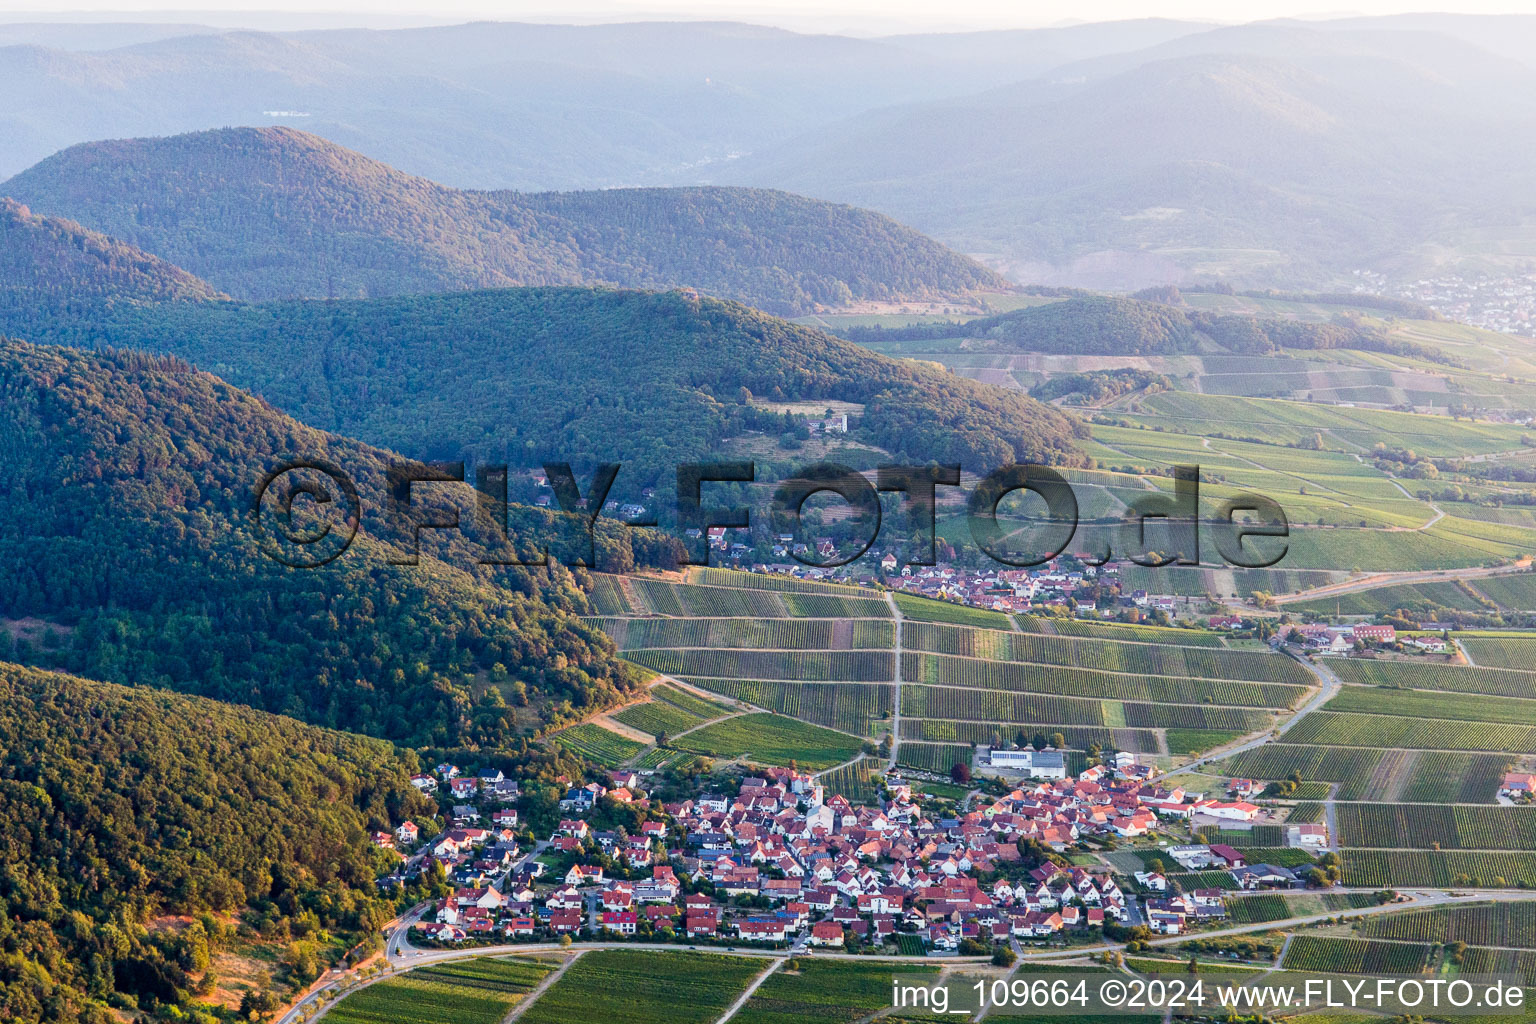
[[1328, 685]]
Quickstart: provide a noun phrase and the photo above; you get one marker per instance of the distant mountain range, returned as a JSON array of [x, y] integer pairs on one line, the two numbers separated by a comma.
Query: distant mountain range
[[1114, 155], [269, 213]]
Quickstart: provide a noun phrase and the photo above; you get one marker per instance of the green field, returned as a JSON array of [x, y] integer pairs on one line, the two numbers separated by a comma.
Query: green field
[[635, 985], [1327, 728], [772, 739], [975, 673], [1516, 591], [799, 634], [478, 991], [601, 745]]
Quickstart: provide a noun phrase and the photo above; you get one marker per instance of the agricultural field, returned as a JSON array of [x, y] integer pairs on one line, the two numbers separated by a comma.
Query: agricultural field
[[975, 673], [934, 757], [844, 666], [601, 745], [1518, 962], [1197, 741], [1502, 652], [925, 609], [1481, 924], [1274, 906], [639, 985], [1465, 707], [670, 710], [847, 707], [1422, 776], [689, 600], [1354, 956], [1108, 655], [858, 782], [1328, 728], [1423, 827], [772, 739], [824, 992], [1417, 597], [478, 991], [1439, 869], [790, 634], [1516, 591], [1135, 633], [1434, 675]]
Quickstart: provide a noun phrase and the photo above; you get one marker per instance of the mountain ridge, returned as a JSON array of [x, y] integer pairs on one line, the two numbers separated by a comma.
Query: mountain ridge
[[268, 213]]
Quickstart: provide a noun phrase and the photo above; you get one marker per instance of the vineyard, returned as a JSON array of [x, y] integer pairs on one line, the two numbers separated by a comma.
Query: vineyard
[[1436, 676], [478, 991], [1422, 827], [1482, 924], [709, 576], [945, 670], [783, 634], [1114, 631], [771, 739], [669, 710], [1518, 962], [1436, 869], [660, 597], [1347, 730], [1428, 704], [925, 609], [1354, 956], [857, 782], [1502, 652], [853, 707], [622, 984], [1109, 655], [935, 757], [601, 745], [849, 666], [939, 730], [827, 991]]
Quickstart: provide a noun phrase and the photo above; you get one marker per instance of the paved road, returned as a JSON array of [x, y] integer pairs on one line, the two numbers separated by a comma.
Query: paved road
[[1328, 686]]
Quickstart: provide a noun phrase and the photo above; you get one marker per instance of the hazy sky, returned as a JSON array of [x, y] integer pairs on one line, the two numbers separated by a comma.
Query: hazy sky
[[829, 15]]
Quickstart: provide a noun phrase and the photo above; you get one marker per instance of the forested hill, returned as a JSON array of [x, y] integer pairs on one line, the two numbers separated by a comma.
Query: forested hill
[[269, 213], [122, 804], [50, 267], [582, 375], [1090, 324], [129, 482]]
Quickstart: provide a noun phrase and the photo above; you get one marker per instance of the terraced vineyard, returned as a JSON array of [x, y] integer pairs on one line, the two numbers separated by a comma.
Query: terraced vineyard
[[968, 676]]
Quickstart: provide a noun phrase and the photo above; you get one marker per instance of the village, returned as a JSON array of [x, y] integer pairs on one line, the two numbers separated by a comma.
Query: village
[[780, 862]]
